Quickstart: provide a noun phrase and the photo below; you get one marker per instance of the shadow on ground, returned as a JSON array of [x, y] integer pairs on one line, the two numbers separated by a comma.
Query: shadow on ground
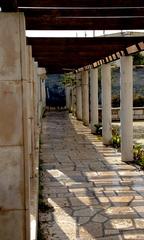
[[93, 194]]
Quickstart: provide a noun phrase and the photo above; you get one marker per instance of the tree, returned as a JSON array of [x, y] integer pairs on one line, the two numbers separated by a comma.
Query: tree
[[138, 59]]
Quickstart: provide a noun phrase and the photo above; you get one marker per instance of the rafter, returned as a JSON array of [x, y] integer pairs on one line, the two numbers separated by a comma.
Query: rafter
[[8, 5], [44, 22], [81, 3]]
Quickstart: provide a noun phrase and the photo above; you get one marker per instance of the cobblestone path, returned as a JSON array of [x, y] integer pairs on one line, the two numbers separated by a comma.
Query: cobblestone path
[[91, 194]]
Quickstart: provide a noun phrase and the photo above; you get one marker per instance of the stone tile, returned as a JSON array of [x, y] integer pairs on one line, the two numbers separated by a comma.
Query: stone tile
[[121, 224], [129, 173], [115, 237], [107, 173], [57, 190], [90, 231], [140, 210], [87, 201], [58, 202], [86, 212], [139, 223], [113, 211], [111, 232], [99, 218], [83, 220], [121, 200], [134, 234]]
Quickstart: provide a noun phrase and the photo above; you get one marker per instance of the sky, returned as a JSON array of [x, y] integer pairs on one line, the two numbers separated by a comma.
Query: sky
[[73, 33]]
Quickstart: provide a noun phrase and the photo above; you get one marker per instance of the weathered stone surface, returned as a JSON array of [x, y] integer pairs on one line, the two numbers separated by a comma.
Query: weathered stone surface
[[10, 62], [134, 234], [90, 231], [9, 220], [99, 218], [87, 212], [123, 224], [106, 205], [11, 113], [11, 178]]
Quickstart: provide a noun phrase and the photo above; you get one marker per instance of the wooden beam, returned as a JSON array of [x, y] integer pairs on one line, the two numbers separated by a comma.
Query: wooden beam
[[92, 12], [75, 23], [81, 3], [8, 5], [83, 43]]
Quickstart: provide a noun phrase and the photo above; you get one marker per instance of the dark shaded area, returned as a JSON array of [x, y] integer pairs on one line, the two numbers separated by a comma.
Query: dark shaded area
[[55, 92]]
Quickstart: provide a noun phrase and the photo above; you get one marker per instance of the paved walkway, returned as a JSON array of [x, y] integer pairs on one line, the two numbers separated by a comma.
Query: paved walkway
[[93, 194]]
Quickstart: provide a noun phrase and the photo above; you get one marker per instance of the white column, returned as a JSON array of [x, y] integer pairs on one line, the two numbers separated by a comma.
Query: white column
[[85, 98], [126, 83], [106, 104], [78, 96], [42, 96], [67, 94], [14, 163], [94, 98]]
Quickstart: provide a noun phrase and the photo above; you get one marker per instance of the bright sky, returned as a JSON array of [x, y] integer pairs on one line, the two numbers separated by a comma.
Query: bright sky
[[73, 33]]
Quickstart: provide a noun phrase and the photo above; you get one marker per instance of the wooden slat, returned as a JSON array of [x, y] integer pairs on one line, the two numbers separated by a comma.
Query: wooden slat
[[8, 5], [99, 23], [81, 3], [102, 12], [65, 43]]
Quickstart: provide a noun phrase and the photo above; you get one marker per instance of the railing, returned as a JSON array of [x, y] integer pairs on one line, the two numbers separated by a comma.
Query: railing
[[138, 113]]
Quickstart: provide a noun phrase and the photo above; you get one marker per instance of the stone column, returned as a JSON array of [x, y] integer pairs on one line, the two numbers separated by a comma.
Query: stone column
[[106, 104], [74, 100], [42, 97], [30, 110], [85, 98], [36, 100], [67, 94], [94, 98], [126, 115], [14, 164], [78, 96]]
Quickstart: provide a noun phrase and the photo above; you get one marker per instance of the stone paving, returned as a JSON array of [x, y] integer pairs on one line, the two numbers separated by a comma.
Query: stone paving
[[92, 194]]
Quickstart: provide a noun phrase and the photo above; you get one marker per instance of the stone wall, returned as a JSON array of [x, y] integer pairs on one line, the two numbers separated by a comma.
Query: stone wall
[[138, 113]]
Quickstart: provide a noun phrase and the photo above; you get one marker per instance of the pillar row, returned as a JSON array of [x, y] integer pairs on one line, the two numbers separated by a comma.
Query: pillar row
[[106, 104], [14, 164], [85, 98], [126, 108], [94, 98]]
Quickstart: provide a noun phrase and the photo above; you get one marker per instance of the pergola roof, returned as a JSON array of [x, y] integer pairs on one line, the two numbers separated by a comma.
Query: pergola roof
[[77, 52], [60, 53]]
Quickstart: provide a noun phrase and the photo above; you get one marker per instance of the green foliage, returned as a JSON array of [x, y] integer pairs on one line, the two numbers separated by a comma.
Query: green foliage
[[138, 101], [116, 139], [68, 78], [138, 154], [115, 101], [98, 128], [138, 59]]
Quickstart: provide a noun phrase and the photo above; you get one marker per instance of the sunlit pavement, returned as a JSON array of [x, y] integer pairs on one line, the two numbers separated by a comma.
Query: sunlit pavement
[[93, 193]]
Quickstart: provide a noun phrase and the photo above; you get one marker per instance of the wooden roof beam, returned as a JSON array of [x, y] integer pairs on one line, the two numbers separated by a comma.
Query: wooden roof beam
[[8, 5], [45, 22], [92, 12], [81, 3]]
